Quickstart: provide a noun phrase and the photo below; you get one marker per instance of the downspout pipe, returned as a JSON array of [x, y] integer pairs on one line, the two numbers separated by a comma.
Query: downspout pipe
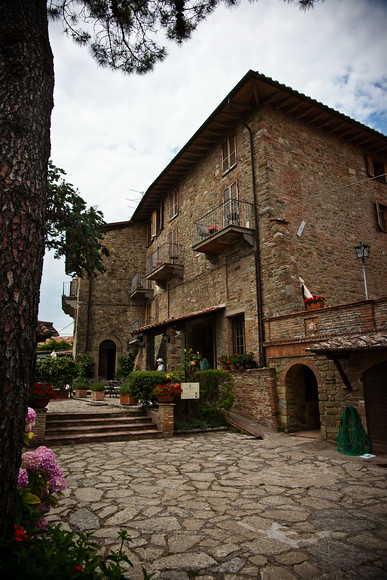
[[258, 265]]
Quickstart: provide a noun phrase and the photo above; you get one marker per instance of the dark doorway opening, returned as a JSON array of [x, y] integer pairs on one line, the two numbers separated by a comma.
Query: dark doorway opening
[[199, 335], [107, 360], [375, 396], [302, 399]]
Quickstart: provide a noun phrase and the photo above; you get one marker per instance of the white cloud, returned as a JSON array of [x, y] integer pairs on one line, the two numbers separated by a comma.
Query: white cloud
[[113, 133]]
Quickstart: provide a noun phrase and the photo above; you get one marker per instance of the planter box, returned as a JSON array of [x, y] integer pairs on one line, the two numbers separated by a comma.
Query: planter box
[[97, 395], [127, 400], [62, 394], [81, 393]]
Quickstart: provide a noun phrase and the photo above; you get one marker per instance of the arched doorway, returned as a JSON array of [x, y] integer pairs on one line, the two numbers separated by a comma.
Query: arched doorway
[[375, 396], [107, 360], [302, 399]]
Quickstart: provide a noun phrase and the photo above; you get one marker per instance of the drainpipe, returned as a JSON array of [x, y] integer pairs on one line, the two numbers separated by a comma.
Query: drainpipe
[[258, 268]]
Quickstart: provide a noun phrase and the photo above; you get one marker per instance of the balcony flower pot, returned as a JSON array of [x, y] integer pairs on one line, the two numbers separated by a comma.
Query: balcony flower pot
[[314, 303]]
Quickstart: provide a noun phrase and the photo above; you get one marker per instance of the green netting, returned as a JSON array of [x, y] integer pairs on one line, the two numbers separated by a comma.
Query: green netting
[[351, 438]]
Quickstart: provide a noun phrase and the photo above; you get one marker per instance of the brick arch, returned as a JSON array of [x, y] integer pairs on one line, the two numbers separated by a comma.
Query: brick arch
[[305, 363], [99, 339], [301, 394]]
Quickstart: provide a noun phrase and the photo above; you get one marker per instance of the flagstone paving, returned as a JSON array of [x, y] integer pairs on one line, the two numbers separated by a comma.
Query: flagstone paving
[[225, 506]]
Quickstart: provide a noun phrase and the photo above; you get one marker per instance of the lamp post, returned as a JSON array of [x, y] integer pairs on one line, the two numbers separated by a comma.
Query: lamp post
[[363, 252]]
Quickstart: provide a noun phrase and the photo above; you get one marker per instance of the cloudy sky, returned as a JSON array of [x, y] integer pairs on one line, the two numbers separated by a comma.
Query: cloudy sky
[[114, 134]]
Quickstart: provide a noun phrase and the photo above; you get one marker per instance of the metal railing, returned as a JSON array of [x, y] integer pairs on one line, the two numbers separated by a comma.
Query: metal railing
[[171, 254], [139, 282], [70, 288], [230, 213]]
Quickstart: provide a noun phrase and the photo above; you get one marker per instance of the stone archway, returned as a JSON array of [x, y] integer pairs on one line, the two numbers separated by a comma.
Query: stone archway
[[107, 360], [302, 402], [375, 396]]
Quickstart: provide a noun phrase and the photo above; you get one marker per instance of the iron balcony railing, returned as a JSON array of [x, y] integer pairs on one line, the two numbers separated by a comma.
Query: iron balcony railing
[[165, 255], [230, 213], [139, 282], [70, 288]]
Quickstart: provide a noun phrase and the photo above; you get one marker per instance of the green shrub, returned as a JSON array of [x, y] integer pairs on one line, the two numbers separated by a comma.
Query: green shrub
[[125, 388], [215, 394], [60, 554], [126, 365], [52, 344], [58, 372], [97, 387], [86, 366], [81, 383], [142, 383]]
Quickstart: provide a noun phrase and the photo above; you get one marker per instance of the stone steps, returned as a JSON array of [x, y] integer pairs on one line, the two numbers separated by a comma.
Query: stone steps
[[70, 429]]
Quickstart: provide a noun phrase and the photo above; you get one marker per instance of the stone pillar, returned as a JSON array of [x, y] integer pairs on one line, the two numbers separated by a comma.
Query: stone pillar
[[164, 418], [39, 430]]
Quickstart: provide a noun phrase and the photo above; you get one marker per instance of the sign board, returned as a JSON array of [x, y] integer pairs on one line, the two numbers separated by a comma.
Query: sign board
[[190, 390]]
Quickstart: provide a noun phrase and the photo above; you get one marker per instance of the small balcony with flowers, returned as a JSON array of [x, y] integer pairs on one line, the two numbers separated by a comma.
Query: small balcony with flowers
[[224, 226], [165, 263], [140, 288]]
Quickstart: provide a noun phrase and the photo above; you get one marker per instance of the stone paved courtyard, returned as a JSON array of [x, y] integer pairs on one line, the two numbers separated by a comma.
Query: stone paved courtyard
[[229, 506]]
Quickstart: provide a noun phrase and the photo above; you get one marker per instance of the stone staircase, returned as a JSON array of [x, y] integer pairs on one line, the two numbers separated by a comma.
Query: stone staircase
[[73, 428]]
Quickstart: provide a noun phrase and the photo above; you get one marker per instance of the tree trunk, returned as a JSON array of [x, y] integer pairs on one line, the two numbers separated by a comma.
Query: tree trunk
[[26, 99]]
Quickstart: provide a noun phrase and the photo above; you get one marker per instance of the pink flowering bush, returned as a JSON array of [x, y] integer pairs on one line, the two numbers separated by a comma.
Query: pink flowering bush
[[39, 482]]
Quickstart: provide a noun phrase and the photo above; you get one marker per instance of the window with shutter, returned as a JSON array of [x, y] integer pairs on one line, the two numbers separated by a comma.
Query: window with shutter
[[381, 212], [229, 153], [173, 204], [230, 205], [376, 168]]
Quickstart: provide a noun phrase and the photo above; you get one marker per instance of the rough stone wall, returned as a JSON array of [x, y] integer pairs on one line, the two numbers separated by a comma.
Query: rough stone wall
[[256, 396], [309, 177], [104, 309]]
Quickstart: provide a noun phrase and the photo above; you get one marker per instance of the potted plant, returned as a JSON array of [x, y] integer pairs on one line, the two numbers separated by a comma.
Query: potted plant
[[247, 360], [97, 391], [81, 386], [40, 395], [314, 303], [224, 361], [166, 393], [212, 229], [126, 397]]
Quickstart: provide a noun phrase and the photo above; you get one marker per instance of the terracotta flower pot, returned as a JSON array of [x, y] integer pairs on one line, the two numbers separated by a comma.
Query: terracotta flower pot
[[127, 400], [39, 403], [97, 395], [167, 398], [315, 305]]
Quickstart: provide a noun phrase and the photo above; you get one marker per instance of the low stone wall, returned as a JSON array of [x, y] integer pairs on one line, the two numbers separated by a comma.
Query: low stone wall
[[256, 396], [163, 417]]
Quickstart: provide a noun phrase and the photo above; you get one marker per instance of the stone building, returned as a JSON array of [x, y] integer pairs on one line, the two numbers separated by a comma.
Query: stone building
[[273, 191]]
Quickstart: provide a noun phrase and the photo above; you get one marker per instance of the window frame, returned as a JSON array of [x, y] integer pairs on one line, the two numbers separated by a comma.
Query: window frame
[[238, 334], [381, 215], [376, 168], [229, 152], [173, 201]]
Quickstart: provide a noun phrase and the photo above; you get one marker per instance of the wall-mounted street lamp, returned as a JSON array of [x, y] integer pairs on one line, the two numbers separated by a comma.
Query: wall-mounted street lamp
[[363, 252]]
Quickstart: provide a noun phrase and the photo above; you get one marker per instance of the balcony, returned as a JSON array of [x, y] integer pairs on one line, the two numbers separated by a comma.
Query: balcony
[[224, 226], [69, 297], [140, 288], [165, 263]]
